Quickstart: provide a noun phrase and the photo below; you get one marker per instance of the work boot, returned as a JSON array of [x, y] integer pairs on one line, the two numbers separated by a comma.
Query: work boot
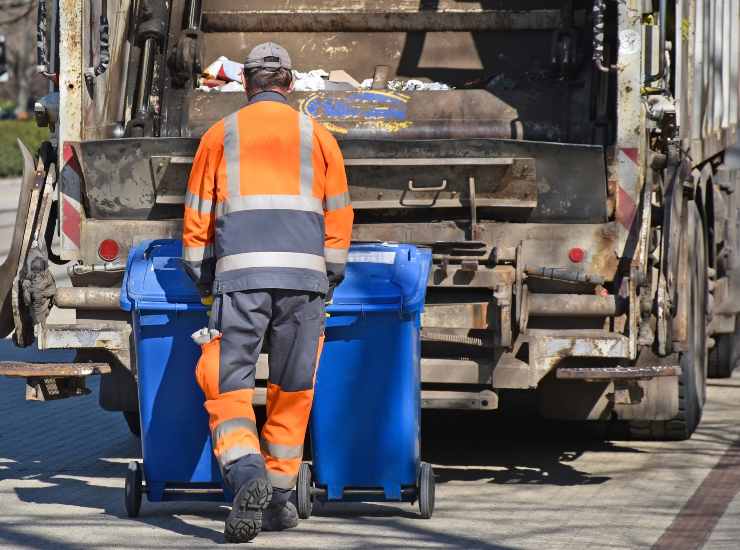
[[279, 517], [245, 519]]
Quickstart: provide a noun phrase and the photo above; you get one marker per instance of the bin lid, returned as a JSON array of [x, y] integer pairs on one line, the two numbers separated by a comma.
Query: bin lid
[[155, 278], [384, 276], [378, 276]]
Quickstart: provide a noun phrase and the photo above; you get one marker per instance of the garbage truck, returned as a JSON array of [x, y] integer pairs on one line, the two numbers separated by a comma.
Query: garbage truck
[[566, 161]]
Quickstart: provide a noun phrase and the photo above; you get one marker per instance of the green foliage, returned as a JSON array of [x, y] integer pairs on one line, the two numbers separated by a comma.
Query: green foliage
[[7, 108], [11, 162]]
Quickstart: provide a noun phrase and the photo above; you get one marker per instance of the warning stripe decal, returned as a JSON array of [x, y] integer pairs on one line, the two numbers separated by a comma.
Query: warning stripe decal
[[632, 153], [72, 221], [626, 208], [71, 208]]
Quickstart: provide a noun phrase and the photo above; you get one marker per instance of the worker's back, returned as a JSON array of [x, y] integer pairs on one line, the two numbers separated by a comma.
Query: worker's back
[[278, 154], [268, 168]]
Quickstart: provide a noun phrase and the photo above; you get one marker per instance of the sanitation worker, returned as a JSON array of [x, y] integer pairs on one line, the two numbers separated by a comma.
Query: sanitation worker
[[267, 228]]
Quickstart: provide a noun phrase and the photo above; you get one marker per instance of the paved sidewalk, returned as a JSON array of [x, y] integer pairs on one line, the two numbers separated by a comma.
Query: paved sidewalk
[[62, 466]]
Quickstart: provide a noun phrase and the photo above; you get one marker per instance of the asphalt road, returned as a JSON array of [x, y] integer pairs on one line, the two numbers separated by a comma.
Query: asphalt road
[[502, 483]]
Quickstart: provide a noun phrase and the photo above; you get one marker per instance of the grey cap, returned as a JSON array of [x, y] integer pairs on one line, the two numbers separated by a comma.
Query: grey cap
[[268, 56]]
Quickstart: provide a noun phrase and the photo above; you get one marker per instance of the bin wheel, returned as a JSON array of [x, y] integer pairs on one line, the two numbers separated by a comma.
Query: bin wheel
[[426, 490], [134, 489], [304, 499]]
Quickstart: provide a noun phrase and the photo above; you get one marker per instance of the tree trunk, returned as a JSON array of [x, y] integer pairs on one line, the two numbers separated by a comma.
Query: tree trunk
[[24, 73]]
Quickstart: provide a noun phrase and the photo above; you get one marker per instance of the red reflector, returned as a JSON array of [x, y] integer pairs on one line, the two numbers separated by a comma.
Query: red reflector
[[576, 255], [109, 250]]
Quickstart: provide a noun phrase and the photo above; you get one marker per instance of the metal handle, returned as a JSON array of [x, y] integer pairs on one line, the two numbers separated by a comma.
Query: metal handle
[[442, 187]]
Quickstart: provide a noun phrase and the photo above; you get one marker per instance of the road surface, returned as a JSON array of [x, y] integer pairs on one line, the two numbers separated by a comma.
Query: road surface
[[502, 483]]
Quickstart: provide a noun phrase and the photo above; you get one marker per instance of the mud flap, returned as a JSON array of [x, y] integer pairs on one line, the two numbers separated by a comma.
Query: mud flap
[[8, 271]]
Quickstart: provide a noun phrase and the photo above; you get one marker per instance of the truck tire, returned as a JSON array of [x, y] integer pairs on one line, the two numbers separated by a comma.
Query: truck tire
[[723, 358], [692, 383]]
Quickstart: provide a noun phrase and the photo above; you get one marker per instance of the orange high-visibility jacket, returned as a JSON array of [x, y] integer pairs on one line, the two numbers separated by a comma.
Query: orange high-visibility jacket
[[267, 204]]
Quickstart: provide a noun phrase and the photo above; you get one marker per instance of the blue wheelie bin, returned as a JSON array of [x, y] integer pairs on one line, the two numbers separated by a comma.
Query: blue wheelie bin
[[365, 421], [176, 443]]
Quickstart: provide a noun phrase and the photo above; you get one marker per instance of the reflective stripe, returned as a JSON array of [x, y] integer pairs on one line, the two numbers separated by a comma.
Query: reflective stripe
[[197, 253], [336, 255], [235, 453], [232, 425], [281, 481], [197, 203], [270, 259], [306, 130], [286, 452], [269, 202], [338, 201], [232, 155]]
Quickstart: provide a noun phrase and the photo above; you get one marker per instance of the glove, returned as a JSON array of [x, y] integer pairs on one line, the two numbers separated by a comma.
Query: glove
[[205, 336]]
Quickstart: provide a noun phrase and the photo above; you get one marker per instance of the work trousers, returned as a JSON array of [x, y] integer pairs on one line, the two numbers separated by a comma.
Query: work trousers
[[292, 323]]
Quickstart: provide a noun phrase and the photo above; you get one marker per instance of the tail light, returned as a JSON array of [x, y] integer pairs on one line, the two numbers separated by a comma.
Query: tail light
[[576, 255], [109, 250]]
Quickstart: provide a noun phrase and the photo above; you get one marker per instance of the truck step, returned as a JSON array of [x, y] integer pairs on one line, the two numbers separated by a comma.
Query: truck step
[[81, 335], [51, 370], [616, 373], [52, 381]]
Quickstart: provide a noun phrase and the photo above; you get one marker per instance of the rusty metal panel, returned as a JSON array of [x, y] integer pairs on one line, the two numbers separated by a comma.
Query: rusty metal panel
[[70, 125], [378, 5], [628, 155], [456, 371], [600, 245], [128, 178], [561, 170], [111, 336], [545, 243], [442, 182], [456, 58], [127, 233], [548, 348], [52, 370], [233, 19], [121, 182], [457, 276], [614, 373], [472, 316]]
